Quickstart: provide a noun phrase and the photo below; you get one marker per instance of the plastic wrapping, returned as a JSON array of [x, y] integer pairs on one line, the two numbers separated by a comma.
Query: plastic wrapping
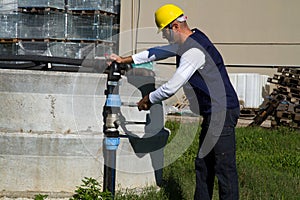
[[8, 6], [59, 33], [90, 27], [104, 5], [9, 25], [83, 27], [38, 26], [59, 4], [72, 50], [87, 4]]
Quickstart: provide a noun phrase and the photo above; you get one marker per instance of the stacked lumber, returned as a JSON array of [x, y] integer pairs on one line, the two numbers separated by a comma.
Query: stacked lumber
[[283, 105], [181, 103]]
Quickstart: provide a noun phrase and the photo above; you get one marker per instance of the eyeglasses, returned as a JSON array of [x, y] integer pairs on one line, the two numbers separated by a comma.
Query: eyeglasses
[[170, 26], [167, 28]]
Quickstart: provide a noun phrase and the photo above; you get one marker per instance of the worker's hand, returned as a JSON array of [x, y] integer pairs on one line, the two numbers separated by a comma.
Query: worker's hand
[[144, 103], [119, 59], [115, 57]]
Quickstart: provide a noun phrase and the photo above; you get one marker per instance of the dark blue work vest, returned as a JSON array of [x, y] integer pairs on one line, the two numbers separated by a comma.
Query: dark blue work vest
[[210, 85]]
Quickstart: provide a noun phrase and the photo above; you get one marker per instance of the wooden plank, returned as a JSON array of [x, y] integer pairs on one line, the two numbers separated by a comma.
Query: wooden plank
[[38, 9], [8, 40], [296, 117]]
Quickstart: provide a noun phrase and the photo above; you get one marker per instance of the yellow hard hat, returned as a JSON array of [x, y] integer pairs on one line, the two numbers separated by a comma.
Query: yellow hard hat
[[166, 14]]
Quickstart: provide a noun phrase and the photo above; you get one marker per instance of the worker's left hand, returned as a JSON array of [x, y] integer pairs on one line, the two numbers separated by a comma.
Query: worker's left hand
[[144, 103], [115, 57], [110, 58]]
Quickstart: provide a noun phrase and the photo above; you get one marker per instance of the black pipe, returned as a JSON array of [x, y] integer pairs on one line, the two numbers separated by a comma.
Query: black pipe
[[111, 141], [38, 62], [112, 115], [41, 59], [110, 171], [25, 65]]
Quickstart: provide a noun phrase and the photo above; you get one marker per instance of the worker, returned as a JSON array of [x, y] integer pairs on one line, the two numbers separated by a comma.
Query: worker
[[203, 76]]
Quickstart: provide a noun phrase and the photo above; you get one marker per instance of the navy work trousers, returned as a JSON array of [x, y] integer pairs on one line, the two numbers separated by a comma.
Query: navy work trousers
[[219, 162]]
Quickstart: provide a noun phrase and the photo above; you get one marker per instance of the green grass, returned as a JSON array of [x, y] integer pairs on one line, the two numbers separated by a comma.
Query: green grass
[[268, 165]]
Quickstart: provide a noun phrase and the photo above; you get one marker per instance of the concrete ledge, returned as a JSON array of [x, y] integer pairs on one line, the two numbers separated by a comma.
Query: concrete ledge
[[57, 162], [51, 133]]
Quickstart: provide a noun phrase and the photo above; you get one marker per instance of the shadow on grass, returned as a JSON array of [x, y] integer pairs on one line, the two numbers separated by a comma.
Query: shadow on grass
[[172, 188]]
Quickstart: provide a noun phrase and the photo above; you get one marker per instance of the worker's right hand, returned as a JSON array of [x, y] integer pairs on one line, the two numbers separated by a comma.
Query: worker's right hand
[[144, 103]]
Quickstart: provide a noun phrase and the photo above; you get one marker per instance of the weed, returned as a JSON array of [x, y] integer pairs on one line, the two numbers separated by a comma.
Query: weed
[[90, 190], [40, 197]]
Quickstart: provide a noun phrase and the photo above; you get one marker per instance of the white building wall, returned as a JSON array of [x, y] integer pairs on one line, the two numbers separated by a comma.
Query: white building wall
[[246, 32]]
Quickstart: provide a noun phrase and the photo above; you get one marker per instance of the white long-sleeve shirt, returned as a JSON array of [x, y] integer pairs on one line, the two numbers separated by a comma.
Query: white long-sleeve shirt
[[190, 61]]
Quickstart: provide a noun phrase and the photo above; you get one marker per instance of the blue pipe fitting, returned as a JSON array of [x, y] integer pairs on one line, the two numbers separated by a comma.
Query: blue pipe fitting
[[111, 143], [113, 100]]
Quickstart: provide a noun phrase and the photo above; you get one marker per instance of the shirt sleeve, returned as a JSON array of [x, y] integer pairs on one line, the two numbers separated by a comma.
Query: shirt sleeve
[[190, 61], [155, 53]]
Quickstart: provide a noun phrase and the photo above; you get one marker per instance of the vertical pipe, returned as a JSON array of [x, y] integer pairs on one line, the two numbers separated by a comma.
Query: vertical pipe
[[109, 152], [111, 123], [111, 144], [110, 171]]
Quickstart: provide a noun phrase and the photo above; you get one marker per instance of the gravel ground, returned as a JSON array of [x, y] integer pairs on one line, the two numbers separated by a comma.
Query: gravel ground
[[242, 122]]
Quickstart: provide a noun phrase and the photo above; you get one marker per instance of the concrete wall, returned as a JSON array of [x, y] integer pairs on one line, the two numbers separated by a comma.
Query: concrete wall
[[51, 133]]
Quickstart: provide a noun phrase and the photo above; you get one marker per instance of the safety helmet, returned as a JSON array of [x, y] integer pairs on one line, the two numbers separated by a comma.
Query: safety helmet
[[166, 14]]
